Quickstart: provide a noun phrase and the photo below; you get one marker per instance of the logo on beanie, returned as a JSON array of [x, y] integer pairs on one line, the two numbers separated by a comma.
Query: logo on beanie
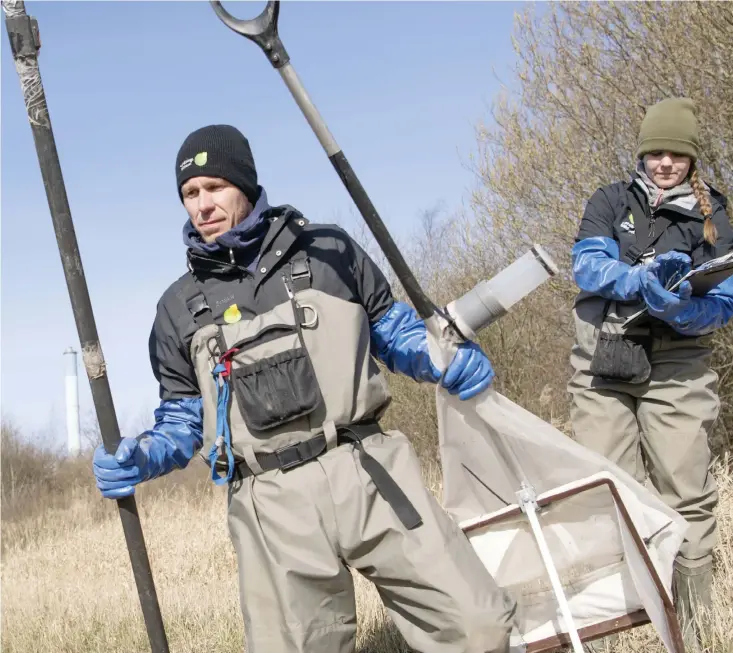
[[200, 160]]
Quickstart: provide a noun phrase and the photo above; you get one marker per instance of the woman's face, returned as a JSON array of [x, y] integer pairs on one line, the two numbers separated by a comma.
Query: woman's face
[[667, 169]]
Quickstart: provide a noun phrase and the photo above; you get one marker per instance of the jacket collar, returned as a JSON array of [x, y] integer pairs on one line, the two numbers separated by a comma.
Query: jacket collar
[[283, 226], [684, 204]]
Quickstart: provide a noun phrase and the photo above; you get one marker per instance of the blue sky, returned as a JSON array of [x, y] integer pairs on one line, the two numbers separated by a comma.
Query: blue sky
[[401, 85]]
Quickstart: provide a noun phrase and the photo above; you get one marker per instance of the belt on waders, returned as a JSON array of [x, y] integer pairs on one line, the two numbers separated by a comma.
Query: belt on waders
[[300, 453]]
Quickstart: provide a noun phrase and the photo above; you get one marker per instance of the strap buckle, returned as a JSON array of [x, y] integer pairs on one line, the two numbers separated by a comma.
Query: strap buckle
[[633, 254], [300, 274], [289, 457], [300, 269], [197, 305]]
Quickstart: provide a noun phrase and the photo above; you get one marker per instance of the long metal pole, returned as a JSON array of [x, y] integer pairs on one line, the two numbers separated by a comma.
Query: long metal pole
[[423, 305], [25, 43]]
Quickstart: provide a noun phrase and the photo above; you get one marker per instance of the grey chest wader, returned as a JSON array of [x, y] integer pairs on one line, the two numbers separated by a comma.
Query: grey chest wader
[[625, 356], [276, 389]]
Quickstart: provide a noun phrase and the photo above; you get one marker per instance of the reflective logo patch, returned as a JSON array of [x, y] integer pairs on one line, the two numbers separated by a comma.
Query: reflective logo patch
[[628, 224]]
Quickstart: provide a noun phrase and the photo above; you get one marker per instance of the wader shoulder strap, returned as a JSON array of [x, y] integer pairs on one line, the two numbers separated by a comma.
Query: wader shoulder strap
[[200, 310], [647, 231], [300, 273]]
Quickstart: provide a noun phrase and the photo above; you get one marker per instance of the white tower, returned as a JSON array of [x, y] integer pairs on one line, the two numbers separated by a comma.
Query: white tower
[[73, 430]]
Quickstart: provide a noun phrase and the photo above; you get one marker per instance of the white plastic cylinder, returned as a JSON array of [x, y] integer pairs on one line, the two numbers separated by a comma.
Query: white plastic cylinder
[[491, 299], [73, 427], [523, 276]]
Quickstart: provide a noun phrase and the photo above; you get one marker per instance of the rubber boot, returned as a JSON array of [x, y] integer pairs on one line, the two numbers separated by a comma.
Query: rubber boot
[[691, 588]]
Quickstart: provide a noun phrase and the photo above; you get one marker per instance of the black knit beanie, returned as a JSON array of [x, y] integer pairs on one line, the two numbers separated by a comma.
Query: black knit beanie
[[218, 151]]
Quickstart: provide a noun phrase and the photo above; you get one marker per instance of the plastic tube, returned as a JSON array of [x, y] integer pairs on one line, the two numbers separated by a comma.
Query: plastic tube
[[491, 299]]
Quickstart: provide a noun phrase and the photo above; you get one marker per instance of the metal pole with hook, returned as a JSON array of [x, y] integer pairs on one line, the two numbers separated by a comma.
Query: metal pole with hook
[[262, 30], [25, 43]]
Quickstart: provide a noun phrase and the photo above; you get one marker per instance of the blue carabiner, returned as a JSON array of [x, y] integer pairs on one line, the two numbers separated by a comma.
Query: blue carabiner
[[223, 433]]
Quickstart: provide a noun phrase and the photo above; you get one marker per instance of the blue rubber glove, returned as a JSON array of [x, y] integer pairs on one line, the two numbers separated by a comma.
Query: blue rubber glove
[[669, 267], [170, 444], [469, 373], [690, 316], [686, 314], [400, 341], [597, 269]]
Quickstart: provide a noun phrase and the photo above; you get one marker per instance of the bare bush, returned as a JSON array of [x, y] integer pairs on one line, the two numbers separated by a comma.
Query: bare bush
[[585, 73]]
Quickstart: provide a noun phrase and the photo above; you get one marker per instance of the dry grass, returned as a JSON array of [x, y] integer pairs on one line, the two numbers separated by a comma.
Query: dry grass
[[67, 584]]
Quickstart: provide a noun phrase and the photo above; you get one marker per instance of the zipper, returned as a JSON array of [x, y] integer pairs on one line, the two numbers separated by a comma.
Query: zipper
[[241, 268], [653, 213]]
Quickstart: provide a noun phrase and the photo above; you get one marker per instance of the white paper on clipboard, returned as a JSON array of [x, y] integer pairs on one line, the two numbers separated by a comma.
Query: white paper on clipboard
[[703, 278]]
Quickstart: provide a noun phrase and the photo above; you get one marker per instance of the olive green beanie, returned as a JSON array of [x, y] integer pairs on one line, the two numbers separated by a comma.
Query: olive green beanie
[[670, 126]]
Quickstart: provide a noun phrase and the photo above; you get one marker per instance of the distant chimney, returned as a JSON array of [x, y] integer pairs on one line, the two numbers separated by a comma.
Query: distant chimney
[[73, 430]]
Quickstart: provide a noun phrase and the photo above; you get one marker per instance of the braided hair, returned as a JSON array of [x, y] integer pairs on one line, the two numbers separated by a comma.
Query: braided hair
[[710, 232]]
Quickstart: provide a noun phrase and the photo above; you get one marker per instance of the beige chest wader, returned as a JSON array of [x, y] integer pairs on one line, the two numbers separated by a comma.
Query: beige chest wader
[[646, 399], [286, 388], [282, 388]]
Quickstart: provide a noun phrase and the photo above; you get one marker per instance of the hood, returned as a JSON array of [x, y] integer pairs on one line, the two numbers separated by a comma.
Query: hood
[[246, 236]]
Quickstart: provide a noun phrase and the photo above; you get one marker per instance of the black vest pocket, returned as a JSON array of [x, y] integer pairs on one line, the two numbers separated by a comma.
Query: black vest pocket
[[277, 389], [620, 357]]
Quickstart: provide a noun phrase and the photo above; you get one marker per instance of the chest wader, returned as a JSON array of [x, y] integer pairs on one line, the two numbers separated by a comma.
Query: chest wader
[[271, 412], [296, 382], [646, 399]]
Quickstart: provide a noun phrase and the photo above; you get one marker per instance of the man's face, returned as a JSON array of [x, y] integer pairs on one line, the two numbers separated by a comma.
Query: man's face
[[214, 205], [666, 169]]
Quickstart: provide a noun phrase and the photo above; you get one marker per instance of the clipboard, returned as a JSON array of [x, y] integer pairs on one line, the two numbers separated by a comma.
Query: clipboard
[[702, 279]]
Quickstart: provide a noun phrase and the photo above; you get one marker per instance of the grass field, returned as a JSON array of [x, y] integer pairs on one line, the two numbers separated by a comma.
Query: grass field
[[67, 585]]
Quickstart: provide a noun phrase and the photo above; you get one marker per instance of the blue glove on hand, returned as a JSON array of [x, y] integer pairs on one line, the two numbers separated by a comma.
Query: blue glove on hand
[[469, 373], [669, 267], [171, 444], [662, 303], [692, 316], [401, 343]]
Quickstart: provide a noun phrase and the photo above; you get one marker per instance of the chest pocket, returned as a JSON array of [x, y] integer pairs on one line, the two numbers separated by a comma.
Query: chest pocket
[[271, 372], [262, 364]]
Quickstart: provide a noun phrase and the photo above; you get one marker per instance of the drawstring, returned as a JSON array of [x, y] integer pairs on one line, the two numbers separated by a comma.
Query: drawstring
[[223, 433]]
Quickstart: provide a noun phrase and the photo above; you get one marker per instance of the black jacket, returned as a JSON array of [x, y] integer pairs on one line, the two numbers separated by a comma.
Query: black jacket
[[608, 210], [339, 267]]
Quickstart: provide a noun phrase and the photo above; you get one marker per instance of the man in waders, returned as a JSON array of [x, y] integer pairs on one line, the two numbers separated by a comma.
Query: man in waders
[[265, 354]]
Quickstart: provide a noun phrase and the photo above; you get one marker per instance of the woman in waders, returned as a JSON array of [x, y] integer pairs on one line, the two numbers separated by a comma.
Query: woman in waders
[[645, 396]]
